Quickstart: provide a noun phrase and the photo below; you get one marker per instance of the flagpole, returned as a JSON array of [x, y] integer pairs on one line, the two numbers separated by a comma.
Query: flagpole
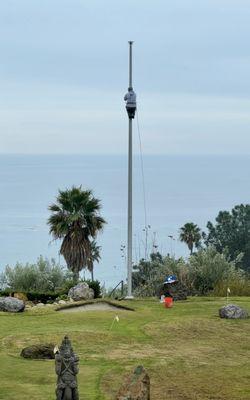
[[130, 98]]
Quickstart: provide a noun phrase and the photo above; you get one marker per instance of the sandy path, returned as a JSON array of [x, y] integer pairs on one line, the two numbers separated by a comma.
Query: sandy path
[[93, 307]]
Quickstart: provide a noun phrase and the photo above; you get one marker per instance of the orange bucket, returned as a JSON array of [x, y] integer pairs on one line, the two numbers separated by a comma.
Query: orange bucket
[[168, 302]]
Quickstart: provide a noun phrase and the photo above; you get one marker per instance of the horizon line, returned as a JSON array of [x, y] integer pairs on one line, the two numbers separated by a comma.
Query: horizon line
[[135, 154]]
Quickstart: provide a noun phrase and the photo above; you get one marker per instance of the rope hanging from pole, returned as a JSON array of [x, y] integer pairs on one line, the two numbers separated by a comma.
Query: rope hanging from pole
[[143, 186]]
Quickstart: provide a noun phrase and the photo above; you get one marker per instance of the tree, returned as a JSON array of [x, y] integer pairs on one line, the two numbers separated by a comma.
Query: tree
[[145, 273], [93, 256], [231, 234], [190, 234], [76, 220]]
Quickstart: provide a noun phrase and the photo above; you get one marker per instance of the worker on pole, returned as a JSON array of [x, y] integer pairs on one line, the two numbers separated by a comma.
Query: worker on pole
[[130, 99]]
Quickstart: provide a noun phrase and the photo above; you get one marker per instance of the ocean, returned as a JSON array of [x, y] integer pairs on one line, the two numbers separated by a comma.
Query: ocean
[[178, 189]]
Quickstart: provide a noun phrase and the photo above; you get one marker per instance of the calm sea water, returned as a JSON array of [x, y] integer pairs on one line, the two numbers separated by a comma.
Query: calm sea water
[[178, 189]]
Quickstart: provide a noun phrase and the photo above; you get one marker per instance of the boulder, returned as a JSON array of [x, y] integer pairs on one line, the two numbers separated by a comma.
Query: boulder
[[10, 304], [40, 305], [39, 352], [29, 304], [136, 386], [232, 311], [62, 302], [81, 291]]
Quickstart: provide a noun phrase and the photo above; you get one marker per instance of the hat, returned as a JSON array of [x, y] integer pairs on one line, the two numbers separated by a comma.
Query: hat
[[171, 279]]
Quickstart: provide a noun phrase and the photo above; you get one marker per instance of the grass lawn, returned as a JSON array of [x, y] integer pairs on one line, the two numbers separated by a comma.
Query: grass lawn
[[189, 352]]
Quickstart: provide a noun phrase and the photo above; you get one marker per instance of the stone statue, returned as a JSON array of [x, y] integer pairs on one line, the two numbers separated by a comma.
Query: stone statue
[[66, 369]]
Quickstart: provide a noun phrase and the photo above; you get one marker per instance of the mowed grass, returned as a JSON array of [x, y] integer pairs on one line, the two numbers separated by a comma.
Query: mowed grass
[[189, 352]]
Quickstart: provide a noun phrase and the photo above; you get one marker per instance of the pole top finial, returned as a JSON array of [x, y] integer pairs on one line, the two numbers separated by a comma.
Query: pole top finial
[[130, 41]]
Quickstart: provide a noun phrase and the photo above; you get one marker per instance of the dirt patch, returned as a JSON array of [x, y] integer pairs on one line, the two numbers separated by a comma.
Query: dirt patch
[[95, 306]]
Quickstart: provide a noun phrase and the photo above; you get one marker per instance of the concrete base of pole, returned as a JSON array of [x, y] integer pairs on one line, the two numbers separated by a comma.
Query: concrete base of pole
[[129, 298]]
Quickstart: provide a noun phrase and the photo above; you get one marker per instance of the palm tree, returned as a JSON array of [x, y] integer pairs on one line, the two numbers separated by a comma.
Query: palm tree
[[76, 220], [94, 256], [190, 234]]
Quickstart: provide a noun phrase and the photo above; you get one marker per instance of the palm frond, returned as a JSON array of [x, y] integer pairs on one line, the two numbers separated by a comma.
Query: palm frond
[[75, 219]]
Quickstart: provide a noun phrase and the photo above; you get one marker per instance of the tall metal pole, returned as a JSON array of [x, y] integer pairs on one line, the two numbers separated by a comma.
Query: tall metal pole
[[130, 209], [130, 185], [130, 65], [131, 108]]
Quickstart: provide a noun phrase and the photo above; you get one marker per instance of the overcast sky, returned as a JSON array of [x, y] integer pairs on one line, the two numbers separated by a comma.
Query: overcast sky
[[64, 72]]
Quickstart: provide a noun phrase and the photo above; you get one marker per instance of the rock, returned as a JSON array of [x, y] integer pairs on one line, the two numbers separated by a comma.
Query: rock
[[81, 291], [39, 352], [232, 311], [29, 304], [136, 386], [40, 305], [10, 304], [62, 302]]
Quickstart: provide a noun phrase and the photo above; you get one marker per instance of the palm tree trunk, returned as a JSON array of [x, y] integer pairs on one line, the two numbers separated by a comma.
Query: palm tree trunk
[[76, 277], [191, 247], [92, 274]]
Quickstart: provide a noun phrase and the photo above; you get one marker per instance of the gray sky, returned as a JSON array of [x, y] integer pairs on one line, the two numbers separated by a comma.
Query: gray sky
[[63, 75]]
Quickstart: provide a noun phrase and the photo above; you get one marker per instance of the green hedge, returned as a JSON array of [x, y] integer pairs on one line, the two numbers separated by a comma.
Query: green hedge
[[51, 296], [36, 297]]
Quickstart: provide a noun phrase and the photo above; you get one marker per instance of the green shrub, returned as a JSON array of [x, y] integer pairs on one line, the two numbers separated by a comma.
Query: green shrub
[[148, 276], [35, 297], [68, 284], [42, 277], [238, 283], [63, 296], [208, 268], [206, 271], [6, 292], [42, 297], [96, 286]]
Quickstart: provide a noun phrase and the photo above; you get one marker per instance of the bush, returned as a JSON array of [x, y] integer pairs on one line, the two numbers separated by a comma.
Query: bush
[[52, 296], [208, 268], [238, 283], [42, 277], [6, 292], [148, 276], [35, 297], [42, 297], [63, 296], [206, 272], [95, 285]]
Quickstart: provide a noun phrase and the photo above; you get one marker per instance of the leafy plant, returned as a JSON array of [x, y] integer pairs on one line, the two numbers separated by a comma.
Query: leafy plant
[[148, 276], [208, 268], [231, 234], [96, 286], [76, 220], [238, 282], [205, 272], [43, 276], [190, 234]]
